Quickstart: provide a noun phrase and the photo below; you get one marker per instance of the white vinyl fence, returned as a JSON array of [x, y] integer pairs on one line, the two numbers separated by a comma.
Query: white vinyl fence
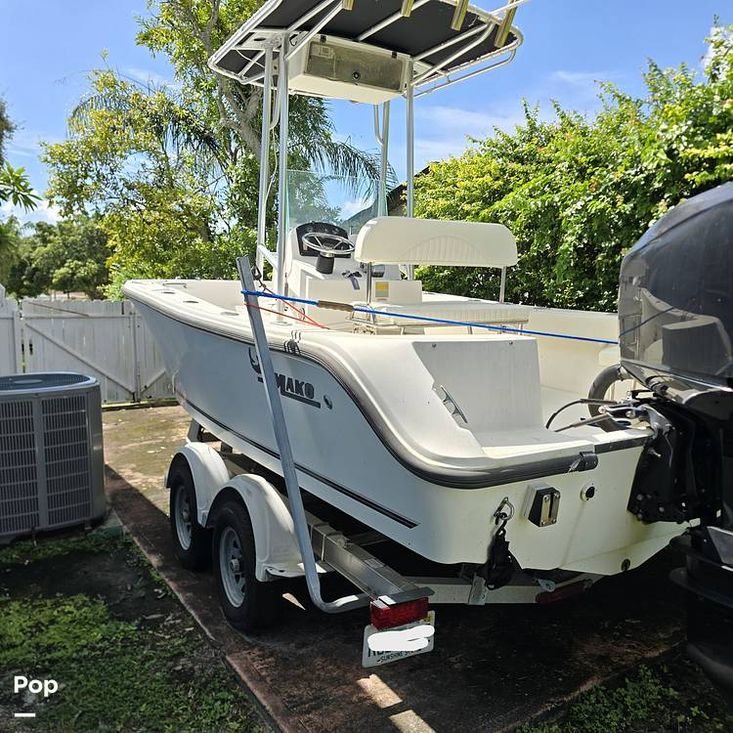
[[105, 339], [10, 343]]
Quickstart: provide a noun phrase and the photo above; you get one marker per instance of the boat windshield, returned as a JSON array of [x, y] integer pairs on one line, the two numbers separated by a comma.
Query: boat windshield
[[342, 200]]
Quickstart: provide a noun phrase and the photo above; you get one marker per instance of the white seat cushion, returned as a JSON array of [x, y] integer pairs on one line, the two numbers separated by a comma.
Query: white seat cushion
[[403, 240]]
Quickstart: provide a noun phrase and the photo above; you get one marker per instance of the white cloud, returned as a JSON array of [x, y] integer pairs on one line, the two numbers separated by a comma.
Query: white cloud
[[452, 118], [575, 90], [43, 212], [579, 78], [428, 150], [151, 78], [349, 208], [441, 132]]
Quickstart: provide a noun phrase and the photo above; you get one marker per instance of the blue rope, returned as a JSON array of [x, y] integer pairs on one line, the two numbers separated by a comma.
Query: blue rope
[[428, 319]]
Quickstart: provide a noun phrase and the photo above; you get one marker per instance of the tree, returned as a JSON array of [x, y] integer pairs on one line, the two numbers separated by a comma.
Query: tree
[[6, 127], [14, 184], [9, 247], [188, 32], [69, 256], [72, 256], [14, 187], [173, 175], [577, 193], [23, 280], [140, 163]]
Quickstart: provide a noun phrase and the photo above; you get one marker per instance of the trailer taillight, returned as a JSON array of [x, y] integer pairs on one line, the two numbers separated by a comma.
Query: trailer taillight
[[388, 615]]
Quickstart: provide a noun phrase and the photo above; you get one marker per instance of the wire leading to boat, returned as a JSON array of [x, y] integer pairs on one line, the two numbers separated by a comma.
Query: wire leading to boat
[[426, 319], [257, 275], [286, 315]]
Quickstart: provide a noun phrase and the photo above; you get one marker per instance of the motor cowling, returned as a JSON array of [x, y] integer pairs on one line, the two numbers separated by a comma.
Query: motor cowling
[[676, 338]]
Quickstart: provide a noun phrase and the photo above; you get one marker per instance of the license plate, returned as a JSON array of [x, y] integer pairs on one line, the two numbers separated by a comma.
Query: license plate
[[372, 658]]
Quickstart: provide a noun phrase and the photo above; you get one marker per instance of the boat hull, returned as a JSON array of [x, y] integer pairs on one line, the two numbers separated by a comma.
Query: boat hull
[[342, 460]]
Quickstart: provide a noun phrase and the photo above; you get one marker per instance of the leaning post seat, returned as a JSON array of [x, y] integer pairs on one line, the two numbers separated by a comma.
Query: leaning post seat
[[401, 240], [409, 241]]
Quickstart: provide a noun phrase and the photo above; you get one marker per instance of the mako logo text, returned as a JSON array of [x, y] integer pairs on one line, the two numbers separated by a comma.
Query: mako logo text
[[295, 389]]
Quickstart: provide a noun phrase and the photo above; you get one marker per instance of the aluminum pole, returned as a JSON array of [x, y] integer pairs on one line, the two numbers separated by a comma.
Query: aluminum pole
[[384, 159], [410, 140], [264, 162], [282, 206], [410, 144]]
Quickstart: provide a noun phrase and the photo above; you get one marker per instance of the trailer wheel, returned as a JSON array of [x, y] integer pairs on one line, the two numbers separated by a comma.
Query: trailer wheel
[[248, 603], [191, 541]]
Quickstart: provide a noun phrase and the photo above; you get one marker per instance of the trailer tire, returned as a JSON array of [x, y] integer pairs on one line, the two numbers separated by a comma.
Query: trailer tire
[[191, 541], [248, 604]]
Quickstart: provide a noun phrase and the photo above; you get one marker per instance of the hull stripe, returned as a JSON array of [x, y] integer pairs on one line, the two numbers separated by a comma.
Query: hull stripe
[[480, 479], [404, 521]]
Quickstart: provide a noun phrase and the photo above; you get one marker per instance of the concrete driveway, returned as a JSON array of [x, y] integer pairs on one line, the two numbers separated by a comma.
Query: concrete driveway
[[493, 668]]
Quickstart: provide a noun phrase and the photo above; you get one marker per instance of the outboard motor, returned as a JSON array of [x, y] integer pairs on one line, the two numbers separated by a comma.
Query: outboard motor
[[676, 336]]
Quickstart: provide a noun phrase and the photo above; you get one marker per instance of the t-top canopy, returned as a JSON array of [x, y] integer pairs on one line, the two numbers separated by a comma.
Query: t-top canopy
[[441, 37]]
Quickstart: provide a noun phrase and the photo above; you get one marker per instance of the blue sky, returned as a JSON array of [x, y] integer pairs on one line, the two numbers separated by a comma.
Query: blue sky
[[47, 48]]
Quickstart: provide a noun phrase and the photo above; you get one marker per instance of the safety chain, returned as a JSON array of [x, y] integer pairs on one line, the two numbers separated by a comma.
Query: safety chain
[[500, 564]]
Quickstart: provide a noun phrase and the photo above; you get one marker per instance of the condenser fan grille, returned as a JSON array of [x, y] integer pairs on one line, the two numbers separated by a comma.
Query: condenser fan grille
[[66, 453], [18, 470], [51, 465]]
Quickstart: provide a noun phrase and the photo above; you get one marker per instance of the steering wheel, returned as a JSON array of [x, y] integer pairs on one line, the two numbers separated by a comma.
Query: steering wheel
[[328, 245]]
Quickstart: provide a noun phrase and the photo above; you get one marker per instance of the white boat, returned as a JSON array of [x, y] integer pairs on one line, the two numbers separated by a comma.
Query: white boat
[[427, 417], [417, 429], [419, 436]]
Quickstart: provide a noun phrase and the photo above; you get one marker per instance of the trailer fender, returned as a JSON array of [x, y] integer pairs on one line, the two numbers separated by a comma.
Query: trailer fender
[[209, 474], [276, 546]]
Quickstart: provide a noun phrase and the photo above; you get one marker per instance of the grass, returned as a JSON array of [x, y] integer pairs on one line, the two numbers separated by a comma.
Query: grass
[[128, 657], [668, 698], [27, 551], [131, 671]]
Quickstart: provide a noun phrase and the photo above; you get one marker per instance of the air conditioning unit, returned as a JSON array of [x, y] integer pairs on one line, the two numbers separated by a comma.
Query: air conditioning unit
[[333, 67], [51, 458]]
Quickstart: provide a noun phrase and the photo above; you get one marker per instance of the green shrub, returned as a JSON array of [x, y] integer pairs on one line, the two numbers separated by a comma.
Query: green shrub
[[577, 192]]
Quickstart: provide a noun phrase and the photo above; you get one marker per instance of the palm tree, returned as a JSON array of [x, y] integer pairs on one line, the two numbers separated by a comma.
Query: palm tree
[[16, 188], [218, 148], [189, 32]]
